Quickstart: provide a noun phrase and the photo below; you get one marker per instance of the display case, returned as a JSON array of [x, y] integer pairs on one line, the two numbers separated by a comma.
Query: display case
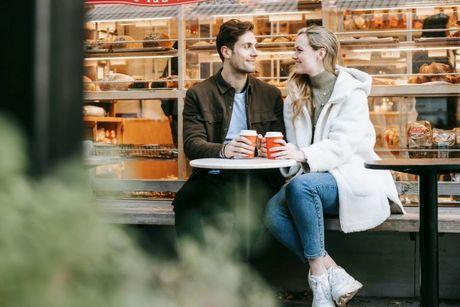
[[275, 27], [412, 51], [139, 62]]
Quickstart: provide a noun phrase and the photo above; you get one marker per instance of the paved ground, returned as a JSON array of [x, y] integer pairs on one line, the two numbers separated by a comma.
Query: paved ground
[[372, 302]]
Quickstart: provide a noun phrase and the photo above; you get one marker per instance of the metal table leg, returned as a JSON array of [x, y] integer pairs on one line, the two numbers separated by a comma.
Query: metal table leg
[[247, 214], [429, 289]]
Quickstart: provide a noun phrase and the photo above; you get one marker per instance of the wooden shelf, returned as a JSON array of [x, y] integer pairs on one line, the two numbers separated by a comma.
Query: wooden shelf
[[135, 95], [416, 90], [102, 119]]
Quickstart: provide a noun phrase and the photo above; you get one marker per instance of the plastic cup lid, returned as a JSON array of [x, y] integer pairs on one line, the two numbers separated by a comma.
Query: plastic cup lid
[[248, 132], [273, 134]]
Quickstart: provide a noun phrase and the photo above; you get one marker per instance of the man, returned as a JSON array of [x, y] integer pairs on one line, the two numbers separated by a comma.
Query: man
[[215, 112]]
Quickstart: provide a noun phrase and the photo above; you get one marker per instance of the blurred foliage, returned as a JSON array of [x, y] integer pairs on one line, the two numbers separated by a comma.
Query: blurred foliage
[[57, 249]]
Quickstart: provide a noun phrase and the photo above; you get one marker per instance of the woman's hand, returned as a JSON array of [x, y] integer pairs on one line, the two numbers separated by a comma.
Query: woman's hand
[[283, 152], [261, 146]]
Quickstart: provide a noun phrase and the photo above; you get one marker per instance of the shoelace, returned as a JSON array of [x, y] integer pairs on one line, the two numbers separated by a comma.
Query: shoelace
[[333, 277], [320, 290]]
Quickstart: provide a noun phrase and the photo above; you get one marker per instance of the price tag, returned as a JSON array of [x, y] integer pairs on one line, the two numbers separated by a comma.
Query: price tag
[[437, 53], [352, 55], [391, 54], [425, 11], [287, 17]]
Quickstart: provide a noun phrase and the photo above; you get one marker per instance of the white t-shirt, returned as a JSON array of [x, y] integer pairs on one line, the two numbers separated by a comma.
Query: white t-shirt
[[238, 120]]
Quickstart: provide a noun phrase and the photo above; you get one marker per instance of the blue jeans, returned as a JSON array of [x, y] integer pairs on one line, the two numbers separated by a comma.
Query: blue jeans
[[295, 214]]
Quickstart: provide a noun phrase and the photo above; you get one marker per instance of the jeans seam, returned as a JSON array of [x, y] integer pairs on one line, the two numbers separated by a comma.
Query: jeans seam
[[317, 201]]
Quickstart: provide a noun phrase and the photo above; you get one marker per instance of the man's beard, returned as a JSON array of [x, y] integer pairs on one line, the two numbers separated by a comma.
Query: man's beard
[[243, 69]]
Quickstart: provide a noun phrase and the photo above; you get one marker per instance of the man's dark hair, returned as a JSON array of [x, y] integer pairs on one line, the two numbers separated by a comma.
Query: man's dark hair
[[229, 33]]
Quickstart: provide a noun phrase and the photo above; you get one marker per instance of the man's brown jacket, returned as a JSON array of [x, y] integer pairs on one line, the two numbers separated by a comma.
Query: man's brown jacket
[[208, 110]]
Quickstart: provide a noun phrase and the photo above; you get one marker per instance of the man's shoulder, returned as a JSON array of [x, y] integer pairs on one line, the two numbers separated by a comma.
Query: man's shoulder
[[265, 87]]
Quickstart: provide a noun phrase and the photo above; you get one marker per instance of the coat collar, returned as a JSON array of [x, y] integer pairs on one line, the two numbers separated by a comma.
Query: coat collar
[[223, 85], [348, 80]]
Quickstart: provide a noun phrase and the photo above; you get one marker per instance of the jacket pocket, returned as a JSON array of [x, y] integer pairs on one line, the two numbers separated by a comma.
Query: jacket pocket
[[359, 179]]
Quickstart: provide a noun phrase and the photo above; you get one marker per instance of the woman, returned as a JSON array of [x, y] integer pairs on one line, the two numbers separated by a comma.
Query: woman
[[329, 133]]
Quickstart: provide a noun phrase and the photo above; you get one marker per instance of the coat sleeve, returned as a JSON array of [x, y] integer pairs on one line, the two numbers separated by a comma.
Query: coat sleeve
[[350, 129], [278, 125], [290, 137], [196, 143]]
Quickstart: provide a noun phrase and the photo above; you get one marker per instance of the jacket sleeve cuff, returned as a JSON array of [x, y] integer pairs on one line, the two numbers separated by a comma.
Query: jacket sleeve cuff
[[310, 158]]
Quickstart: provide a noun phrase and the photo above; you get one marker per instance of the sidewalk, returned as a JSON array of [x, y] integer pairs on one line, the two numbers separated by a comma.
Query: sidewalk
[[374, 302]]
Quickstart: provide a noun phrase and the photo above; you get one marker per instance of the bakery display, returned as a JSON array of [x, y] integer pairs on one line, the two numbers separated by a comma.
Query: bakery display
[[435, 72]]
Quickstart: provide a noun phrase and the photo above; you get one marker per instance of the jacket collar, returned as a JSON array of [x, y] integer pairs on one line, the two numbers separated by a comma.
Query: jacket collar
[[223, 85]]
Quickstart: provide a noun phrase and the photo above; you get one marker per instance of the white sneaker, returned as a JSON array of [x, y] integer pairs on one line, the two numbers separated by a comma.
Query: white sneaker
[[321, 289], [343, 286]]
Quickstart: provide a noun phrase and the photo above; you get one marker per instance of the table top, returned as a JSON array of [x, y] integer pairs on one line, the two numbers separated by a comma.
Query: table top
[[241, 164], [407, 165]]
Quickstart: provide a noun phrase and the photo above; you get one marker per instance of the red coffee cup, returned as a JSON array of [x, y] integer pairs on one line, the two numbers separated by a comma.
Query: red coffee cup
[[270, 138], [251, 135]]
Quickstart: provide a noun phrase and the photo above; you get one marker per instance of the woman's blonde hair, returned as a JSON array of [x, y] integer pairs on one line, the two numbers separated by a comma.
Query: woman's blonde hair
[[298, 85]]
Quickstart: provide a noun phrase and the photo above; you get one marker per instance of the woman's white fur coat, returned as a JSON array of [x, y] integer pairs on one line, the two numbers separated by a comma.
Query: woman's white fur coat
[[344, 139]]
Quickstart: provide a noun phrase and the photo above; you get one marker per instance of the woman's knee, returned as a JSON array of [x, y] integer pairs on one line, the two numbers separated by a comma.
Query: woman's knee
[[300, 186]]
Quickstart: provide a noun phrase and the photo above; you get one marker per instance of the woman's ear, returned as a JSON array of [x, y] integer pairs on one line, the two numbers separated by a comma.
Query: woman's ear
[[322, 53]]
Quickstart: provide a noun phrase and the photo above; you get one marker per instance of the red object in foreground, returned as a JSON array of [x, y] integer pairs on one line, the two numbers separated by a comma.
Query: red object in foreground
[[142, 2]]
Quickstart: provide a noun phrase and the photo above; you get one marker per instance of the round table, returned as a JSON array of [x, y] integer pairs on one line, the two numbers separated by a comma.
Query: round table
[[427, 170], [246, 166]]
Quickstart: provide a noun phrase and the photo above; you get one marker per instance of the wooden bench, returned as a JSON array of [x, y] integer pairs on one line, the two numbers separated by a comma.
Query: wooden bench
[[161, 213], [147, 212]]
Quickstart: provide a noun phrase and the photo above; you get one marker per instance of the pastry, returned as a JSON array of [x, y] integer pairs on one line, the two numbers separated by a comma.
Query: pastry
[[418, 24], [349, 24], [392, 136], [88, 85], [201, 44], [266, 40], [383, 81], [153, 40], [419, 134], [360, 22], [393, 21], [139, 82], [443, 137], [457, 135], [281, 39], [125, 42], [116, 82], [93, 111], [377, 22]]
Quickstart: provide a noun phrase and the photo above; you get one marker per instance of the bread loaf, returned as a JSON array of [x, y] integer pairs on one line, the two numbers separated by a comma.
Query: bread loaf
[[88, 85], [125, 42], [419, 134], [116, 82]]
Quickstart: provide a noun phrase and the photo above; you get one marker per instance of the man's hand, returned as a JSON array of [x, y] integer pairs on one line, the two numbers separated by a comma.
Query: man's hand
[[239, 147], [262, 146], [284, 152]]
